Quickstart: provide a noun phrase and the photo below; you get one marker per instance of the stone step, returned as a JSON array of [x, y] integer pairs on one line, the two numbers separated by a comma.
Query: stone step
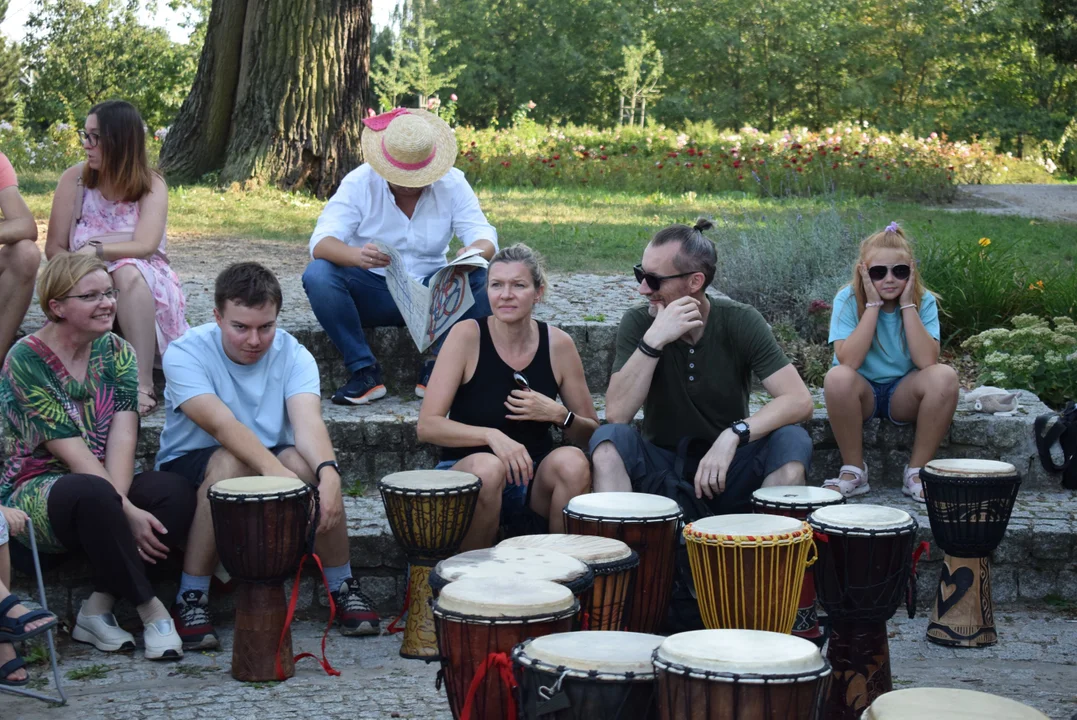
[[1037, 557]]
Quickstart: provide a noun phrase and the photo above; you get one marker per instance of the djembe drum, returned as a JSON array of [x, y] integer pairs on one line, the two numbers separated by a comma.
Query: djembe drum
[[649, 525], [969, 504], [514, 563], [924, 703], [586, 676], [748, 569], [861, 576], [799, 501], [429, 512], [739, 675], [479, 621], [263, 527], [613, 564]]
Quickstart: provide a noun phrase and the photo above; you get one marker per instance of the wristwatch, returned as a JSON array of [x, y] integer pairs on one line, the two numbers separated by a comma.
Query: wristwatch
[[98, 249], [327, 463], [743, 431], [568, 420]]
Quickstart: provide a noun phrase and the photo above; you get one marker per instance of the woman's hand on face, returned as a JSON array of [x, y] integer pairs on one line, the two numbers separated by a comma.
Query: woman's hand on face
[[532, 405], [145, 527], [870, 292], [513, 455]]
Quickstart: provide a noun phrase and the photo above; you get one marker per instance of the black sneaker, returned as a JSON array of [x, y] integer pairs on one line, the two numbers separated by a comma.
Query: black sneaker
[[193, 623], [355, 611], [424, 378], [366, 385]]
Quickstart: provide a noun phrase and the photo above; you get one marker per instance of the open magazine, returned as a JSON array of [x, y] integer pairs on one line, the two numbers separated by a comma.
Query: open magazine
[[430, 310]]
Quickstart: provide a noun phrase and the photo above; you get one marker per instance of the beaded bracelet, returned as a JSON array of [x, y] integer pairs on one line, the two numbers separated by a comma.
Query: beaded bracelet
[[910, 305], [877, 303]]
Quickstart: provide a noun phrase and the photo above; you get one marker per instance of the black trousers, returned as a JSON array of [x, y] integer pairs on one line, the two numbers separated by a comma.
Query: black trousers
[[87, 516]]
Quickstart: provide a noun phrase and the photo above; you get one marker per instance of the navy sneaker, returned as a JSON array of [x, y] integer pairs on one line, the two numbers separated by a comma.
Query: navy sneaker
[[424, 378], [193, 622], [355, 611], [366, 385]]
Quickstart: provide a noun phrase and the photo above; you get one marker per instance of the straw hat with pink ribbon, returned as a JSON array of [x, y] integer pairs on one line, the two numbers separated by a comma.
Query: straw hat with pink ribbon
[[409, 147]]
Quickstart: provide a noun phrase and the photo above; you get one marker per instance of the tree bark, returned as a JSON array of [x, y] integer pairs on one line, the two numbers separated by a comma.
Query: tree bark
[[279, 95]]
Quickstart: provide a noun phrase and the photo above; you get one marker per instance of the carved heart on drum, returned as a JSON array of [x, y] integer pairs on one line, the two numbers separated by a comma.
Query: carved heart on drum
[[952, 588]]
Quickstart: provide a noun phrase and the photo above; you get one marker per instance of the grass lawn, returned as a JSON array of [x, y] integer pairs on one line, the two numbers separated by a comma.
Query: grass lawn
[[589, 229]]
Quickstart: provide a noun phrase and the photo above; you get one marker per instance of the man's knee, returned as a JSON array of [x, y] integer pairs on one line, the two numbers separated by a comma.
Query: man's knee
[[22, 260], [571, 470], [791, 447], [223, 465], [318, 274], [613, 438]]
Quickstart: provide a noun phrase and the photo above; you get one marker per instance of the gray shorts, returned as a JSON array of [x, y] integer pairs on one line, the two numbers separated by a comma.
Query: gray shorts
[[3, 530], [751, 463]]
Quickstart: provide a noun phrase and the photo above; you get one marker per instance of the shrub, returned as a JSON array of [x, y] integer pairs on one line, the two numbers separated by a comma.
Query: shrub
[[1032, 356], [58, 149], [811, 359]]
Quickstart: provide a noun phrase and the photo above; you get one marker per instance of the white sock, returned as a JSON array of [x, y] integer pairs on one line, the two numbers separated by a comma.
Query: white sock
[[152, 611], [98, 603]]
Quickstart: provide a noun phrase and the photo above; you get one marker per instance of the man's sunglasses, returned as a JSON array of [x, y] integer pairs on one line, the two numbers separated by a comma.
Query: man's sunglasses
[[878, 272], [655, 281]]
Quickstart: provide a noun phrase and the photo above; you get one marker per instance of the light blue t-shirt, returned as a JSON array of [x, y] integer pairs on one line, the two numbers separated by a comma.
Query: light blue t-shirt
[[888, 357], [197, 365]]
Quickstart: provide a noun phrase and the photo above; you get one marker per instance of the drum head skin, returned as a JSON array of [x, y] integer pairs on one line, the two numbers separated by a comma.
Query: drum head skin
[[970, 468], [591, 549], [512, 563], [607, 653], [921, 703], [747, 525], [753, 652], [623, 505], [428, 480], [505, 598], [257, 486], [862, 517], [798, 496]]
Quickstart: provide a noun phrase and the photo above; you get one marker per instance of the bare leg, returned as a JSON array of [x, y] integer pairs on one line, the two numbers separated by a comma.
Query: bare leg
[[610, 474], [792, 473], [18, 270], [5, 570], [491, 471], [561, 476], [929, 397], [200, 558], [7, 650], [137, 316], [849, 402]]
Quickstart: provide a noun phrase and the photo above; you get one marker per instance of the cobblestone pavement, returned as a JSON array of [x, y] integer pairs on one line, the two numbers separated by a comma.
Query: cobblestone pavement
[[1035, 662]]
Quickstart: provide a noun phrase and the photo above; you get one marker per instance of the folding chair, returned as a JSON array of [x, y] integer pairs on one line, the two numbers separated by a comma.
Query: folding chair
[[62, 700]]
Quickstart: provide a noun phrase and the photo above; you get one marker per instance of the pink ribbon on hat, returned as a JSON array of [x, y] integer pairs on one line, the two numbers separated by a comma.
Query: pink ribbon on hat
[[379, 123]]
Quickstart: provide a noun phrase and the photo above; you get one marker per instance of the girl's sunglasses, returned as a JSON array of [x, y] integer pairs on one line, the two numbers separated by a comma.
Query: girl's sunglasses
[[878, 272], [655, 281], [521, 381]]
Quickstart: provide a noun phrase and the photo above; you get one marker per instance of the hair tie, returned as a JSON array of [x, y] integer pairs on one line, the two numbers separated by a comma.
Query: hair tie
[[892, 227]]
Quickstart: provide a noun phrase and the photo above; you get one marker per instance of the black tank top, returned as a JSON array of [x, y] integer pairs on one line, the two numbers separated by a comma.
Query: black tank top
[[481, 400]]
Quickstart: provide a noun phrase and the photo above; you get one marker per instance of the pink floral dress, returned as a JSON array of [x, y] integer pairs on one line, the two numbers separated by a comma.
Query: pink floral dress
[[101, 216]]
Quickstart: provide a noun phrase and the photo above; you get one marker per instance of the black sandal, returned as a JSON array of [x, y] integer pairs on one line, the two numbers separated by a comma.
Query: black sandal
[[16, 663], [13, 630]]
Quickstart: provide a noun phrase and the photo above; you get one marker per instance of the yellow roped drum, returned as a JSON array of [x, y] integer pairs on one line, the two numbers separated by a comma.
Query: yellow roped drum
[[748, 569]]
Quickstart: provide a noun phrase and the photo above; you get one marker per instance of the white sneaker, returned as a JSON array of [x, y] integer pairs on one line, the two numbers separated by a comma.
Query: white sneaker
[[103, 632], [162, 641]]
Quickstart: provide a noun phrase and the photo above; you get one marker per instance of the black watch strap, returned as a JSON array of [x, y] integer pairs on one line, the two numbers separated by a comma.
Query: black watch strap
[[327, 463], [648, 350], [745, 435]]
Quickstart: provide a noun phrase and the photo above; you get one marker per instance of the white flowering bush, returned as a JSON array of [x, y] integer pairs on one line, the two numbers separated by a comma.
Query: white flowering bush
[[57, 149], [1033, 355]]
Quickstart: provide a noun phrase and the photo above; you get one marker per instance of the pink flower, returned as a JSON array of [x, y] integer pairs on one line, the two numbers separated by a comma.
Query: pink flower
[[453, 97], [370, 112], [530, 105]]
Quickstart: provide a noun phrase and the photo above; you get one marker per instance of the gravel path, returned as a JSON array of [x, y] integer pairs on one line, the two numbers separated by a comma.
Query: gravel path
[[1046, 202]]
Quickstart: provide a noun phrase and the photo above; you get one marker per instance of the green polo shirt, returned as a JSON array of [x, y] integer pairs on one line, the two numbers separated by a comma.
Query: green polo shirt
[[700, 390]]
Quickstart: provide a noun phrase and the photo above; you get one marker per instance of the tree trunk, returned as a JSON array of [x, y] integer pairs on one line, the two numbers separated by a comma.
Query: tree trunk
[[279, 95]]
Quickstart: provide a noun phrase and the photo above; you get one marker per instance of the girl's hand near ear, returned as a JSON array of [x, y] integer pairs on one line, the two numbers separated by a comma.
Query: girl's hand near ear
[[870, 293]]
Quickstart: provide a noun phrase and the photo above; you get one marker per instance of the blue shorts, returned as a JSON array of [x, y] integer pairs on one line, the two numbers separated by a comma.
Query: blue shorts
[[883, 392], [517, 517]]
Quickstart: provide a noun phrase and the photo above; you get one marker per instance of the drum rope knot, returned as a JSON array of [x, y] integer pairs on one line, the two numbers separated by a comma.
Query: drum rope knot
[[504, 667]]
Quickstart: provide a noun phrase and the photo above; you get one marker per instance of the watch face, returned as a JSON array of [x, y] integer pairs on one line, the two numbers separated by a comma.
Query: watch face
[[740, 428]]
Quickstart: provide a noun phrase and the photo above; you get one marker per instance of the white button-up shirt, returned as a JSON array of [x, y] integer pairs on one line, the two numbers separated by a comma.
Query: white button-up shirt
[[364, 210]]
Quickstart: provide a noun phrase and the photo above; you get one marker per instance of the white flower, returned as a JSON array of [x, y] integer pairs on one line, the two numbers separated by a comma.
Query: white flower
[[1049, 166], [5, 125], [161, 133], [682, 140]]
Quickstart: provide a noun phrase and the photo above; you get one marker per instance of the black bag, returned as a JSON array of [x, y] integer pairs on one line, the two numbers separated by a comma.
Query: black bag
[[1059, 428]]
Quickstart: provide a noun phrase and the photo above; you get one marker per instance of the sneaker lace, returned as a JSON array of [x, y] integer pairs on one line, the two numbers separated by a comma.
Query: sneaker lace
[[194, 611], [352, 599]]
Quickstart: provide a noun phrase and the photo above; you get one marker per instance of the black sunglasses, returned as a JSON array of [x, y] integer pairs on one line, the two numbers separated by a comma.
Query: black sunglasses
[[655, 281], [878, 272], [521, 380]]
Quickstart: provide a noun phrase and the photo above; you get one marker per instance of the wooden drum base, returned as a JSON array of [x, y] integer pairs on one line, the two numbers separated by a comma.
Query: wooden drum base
[[963, 615], [260, 614], [859, 655], [420, 639]]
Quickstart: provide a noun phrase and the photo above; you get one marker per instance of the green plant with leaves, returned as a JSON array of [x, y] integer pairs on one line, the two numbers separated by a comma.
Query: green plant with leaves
[[10, 72], [1033, 356], [423, 52], [638, 81]]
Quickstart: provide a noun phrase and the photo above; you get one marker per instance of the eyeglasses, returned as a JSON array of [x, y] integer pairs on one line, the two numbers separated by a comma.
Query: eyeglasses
[[521, 380], [94, 297], [89, 138], [655, 281], [878, 272]]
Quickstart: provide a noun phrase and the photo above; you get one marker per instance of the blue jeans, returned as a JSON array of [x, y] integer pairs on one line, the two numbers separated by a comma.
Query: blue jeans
[[344, 299], [884, 392]]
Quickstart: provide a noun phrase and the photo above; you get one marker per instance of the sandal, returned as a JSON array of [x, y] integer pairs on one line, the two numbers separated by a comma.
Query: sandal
[[13, 630], [16, 663], [849, 487], [911, 484], [149, 407]]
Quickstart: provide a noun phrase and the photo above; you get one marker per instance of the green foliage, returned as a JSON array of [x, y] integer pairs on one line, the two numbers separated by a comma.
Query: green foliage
[[638, 81], [1033, 356], [89, 672], [58, 148], [10, 70], [406, 61], [811, 358], [79, 54]]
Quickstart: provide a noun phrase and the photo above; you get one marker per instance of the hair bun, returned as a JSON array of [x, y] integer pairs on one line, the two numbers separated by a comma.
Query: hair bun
[[702, 225]]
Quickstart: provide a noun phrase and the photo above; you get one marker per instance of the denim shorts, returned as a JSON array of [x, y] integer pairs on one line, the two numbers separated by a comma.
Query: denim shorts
[[517, 517], [883, 392]]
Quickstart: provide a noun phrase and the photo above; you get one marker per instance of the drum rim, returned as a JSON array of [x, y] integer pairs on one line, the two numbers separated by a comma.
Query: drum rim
[[802, 534], [417, 492], [588, 572], [911, 527], [1010, 703], [678, 513], [545, 616], [624, 520], [520, 656], [999, 476], [792, 505], [223, 496], [508, 542], [747, 678]]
